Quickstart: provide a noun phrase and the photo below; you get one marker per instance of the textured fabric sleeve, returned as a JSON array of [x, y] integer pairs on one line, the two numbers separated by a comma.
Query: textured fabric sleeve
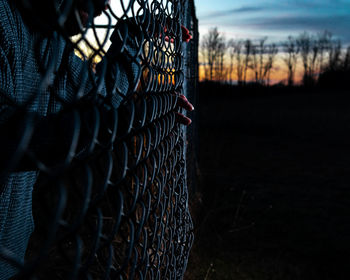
[[10, 138], [24, 131], [16, 222], [121, 67], [31, 138], [6, 88]]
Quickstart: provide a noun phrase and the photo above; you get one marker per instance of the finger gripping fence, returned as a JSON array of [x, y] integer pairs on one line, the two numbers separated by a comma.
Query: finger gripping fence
[[93, 178]]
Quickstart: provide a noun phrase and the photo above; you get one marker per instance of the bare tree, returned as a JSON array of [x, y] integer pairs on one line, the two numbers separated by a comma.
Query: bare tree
[[346, 63], [337, 69], [231, 49], [317, 54], [236, 61], [239, 62], [271, 51], [213, 45], [291, 49], [304, 44], [204, 62], [247, 58], [262, 52], [315, 51], [258, 53], [208, 50], [324, 41], [220, 69], [312, 53], [334, 56], [254, 62]]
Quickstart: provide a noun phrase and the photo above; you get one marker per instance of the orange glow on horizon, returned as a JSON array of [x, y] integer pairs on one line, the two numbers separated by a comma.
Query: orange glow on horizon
[[278, 73]]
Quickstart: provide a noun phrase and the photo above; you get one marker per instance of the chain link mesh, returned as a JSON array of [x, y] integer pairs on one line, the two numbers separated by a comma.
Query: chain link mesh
[[97, 138]]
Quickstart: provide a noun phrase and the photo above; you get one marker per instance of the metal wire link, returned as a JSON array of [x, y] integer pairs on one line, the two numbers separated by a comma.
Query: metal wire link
[[110, 201]]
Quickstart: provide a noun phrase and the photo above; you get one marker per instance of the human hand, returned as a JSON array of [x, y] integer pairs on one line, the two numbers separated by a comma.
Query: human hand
[[183, 103], [186, 36]]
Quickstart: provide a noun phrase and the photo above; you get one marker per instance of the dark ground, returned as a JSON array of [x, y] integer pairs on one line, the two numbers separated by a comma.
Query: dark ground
[[275, 186]]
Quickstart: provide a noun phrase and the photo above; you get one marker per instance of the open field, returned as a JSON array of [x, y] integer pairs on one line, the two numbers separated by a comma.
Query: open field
[[275, 181]]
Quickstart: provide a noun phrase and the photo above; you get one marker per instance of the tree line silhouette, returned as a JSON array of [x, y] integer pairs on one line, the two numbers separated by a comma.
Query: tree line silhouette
[[320, 58]]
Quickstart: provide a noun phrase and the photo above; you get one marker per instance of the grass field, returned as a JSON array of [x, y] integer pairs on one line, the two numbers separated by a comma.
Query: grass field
[[275, 185]]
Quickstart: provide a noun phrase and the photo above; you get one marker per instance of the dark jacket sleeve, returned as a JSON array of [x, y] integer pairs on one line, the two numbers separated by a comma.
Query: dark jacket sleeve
[[32, 141], [120, 69]]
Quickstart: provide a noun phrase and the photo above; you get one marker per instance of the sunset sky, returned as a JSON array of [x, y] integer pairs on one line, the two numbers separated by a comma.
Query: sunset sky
[[274, 18]]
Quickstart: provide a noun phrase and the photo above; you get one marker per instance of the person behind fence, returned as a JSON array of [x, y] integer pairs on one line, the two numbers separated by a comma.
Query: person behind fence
[[39, 76]]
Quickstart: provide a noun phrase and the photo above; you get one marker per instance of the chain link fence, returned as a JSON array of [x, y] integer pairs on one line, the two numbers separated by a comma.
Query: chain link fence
[[91, 150]]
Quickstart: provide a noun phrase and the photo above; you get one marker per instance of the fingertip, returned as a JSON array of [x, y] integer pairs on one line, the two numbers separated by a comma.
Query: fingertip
[[183, 119], [186, 121]]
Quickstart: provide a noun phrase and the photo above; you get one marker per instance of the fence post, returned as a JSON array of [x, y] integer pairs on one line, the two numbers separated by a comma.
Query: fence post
[[191, 92]]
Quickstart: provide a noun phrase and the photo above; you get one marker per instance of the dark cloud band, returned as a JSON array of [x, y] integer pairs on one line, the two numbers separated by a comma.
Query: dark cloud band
[[218, 14]]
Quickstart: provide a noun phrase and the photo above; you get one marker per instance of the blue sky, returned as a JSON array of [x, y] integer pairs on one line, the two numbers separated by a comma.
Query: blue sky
[[274, 18]]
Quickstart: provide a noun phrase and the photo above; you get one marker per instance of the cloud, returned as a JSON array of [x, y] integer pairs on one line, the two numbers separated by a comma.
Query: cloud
[[298, 22], [217, 14], [278, 19], [337, 24]]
